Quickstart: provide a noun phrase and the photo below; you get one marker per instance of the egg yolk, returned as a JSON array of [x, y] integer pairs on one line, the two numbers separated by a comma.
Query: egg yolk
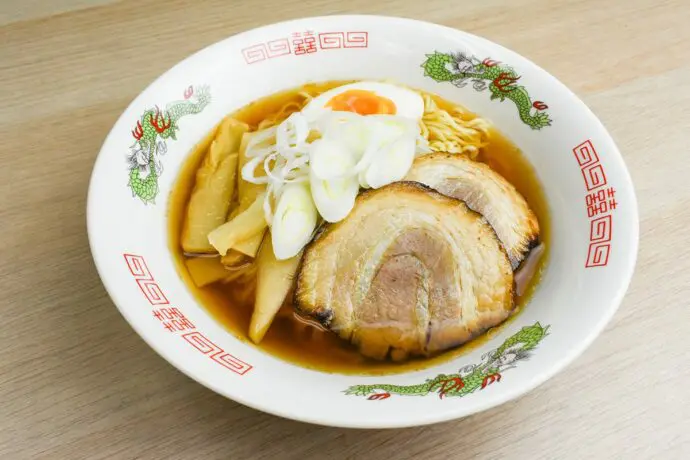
[[362, 102]]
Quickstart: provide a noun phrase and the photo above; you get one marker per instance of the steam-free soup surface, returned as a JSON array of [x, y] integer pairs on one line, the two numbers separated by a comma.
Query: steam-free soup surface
[[295, 339]]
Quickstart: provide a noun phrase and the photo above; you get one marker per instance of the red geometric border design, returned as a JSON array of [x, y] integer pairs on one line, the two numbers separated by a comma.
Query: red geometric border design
[[598, 254], [594, 176], [335, 40], [279, 47], [204, 345], [585, 154], [600, 229], [331, 40], [255, 53], [154, 294], [304, 43], [140, 271], [601, 203], [357, 40]]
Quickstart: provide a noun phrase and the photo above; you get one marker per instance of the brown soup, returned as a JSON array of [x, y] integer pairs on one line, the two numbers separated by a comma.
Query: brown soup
[[297, 340]]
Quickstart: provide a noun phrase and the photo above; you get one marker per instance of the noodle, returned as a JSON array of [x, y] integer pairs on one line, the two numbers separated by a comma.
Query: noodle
[[441, 126], [452, 131], [285, 111]]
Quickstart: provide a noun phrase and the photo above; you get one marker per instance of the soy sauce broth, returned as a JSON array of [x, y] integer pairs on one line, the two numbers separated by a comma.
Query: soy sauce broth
[[290, 337]]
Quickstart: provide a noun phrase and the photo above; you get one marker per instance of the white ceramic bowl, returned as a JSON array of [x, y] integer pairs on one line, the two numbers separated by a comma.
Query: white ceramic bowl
[[585, 180]]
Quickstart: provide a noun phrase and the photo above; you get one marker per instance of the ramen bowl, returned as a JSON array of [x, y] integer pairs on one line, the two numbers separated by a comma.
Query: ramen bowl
[[584, 179]]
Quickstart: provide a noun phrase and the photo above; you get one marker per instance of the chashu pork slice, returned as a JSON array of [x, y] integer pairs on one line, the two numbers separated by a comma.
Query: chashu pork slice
[[486, 192], [408, 272]]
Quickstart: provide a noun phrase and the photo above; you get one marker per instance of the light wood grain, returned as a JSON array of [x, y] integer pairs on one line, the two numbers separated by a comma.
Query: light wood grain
[[77, 382]]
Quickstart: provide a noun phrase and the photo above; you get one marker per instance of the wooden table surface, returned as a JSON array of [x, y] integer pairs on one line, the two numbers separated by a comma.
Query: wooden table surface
[[77, 382]]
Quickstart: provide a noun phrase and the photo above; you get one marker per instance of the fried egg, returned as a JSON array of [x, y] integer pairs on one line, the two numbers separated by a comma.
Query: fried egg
[[367, 98]]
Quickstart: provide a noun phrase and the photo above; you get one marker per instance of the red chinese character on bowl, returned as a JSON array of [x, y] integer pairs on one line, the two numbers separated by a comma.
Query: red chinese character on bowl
[[601, 201], [304, 43], [173, 319]]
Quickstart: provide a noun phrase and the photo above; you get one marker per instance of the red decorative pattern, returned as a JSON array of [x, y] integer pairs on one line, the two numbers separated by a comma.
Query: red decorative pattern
[[302, 43], [255, 53], [335, 40], [598, 255], [172, 319], [594, 176], [600, 229], [600, 203], [189, 92], [357, 40], [140, 271], [585, 154], [331, 40], [279, 47], [175, 321], [205, 346]]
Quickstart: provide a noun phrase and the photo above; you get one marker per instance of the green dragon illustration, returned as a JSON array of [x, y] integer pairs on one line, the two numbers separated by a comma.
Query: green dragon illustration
[[150, 134], [459, 68], [470, 378]]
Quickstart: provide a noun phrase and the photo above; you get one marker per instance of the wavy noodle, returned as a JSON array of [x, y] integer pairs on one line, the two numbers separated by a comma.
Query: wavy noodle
[[453, 131], [245, 277], [285, 111]]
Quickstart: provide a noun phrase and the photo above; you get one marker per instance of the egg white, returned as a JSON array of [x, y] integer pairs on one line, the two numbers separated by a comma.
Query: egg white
[[408, 103]]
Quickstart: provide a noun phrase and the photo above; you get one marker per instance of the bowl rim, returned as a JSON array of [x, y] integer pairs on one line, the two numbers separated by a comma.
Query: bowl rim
[[420, 419]]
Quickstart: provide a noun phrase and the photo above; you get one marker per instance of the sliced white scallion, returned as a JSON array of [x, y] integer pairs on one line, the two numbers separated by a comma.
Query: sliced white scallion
[[330, 159], [391, 163], [350, 129], [294, 221], [334, 198], [317, 165], [292, 133], [334, 184]]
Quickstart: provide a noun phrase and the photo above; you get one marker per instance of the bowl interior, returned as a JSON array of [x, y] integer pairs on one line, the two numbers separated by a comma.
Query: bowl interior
[[584, 178]]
